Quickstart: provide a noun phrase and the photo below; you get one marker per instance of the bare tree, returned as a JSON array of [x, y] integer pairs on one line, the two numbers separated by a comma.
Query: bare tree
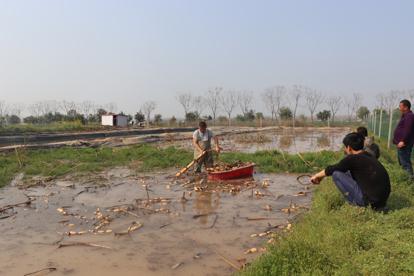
[[392, 98], [352, 104], [334, 103], [67, 106], [313, 100], [36, 109], [111, 107], [229, 102], [199, 103], [86, 108], [213, 100], [410, 95], [186, 101], [245, 102], [272, 98], [296, 94], [3, 109], [17, 109], [356, 103], [148, 108]]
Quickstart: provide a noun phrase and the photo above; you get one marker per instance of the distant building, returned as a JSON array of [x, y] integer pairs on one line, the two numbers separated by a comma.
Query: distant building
[[114, 120]]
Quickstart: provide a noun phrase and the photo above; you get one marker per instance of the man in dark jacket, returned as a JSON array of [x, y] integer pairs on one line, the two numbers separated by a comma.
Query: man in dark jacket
[[360, 177], [404, 136]]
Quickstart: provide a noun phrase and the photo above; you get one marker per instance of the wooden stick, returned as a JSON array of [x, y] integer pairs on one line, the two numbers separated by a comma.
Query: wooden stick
[[214, 222], [2, 209], [186, 168], [48, 269], [227, 261], [83, 244]]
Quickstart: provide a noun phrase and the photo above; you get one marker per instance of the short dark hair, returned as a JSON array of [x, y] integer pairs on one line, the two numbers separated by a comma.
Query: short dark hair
[[202, 124], [406, 103], [354, 140], [363, 131]]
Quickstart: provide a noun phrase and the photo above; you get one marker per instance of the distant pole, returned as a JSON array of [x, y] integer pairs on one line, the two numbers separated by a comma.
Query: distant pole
[[375, 122], [390, 130], [380, 124], [370, 121]]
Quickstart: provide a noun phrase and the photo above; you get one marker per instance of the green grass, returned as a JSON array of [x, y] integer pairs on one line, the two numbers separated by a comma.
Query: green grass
[[335, 238], [57, 162], [278, 162]]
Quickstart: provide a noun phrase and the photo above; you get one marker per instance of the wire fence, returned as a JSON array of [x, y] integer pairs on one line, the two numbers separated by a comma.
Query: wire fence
[[382, 124]]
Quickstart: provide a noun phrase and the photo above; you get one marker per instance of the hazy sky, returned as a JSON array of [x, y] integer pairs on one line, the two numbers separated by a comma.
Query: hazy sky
[[133, 51]]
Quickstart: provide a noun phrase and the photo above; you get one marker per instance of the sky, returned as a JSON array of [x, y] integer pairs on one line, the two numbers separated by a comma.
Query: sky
[[129, 52]]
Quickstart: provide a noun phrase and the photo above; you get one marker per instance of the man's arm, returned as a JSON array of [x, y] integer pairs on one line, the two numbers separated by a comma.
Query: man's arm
[[342, 166], [317, 178], [196, 145]]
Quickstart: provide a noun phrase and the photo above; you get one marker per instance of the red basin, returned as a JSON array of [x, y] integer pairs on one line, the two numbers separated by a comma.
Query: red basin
[[242, 172]]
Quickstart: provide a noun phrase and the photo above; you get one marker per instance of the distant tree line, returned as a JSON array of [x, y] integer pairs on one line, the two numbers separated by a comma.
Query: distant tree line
[[281, 103]]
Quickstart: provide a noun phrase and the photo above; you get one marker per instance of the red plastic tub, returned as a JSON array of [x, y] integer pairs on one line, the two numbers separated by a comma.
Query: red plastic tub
[[242, 172]]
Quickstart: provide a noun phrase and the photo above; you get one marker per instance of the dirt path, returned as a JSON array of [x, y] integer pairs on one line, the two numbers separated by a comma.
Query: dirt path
[[205, 233]]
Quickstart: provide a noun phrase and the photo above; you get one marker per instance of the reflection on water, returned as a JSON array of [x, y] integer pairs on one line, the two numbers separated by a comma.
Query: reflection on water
[[288, 140], [323, 141], [205, 205], [285, 142]]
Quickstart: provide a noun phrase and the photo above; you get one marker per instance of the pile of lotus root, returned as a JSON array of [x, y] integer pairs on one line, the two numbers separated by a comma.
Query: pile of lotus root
[[221, 166]]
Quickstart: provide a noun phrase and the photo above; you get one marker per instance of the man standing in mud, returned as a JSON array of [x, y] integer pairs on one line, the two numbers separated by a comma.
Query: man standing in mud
[[404, 137], [202, 143], [360, 177]]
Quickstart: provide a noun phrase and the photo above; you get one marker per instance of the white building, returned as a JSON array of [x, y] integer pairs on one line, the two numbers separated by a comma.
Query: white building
[[114, 120]]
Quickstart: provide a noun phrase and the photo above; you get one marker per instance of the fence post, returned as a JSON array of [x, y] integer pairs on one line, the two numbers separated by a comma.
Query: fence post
[[380, 125], [372, 121], [375, 122], [389, 129]]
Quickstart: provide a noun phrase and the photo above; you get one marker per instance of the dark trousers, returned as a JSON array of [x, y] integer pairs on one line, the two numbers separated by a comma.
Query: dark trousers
[[349, 188], [404, 158]]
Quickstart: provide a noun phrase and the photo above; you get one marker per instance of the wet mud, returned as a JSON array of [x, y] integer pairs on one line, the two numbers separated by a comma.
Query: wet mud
[[121, 223]]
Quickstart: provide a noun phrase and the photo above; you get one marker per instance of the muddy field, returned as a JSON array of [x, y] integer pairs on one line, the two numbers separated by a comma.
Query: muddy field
[[120, 223]]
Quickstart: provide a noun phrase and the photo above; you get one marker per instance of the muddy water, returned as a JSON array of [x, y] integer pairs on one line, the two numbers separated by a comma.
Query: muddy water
[[287, 139], [179, 236]]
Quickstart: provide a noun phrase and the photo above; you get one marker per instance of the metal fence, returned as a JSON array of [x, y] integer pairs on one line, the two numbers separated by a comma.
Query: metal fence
[[382, 124]]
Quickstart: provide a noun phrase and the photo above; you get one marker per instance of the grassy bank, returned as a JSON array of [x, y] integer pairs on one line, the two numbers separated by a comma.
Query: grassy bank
[[335, 238], [48, 128], [57, 162]]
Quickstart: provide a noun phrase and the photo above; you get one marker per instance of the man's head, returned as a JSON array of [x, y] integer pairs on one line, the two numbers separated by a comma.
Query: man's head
[[354, 143], [363, 131], [202, 126], [405, 106]]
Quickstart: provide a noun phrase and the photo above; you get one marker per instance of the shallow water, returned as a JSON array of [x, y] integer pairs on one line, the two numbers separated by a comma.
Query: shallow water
[[185, 237], [288, 140]]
